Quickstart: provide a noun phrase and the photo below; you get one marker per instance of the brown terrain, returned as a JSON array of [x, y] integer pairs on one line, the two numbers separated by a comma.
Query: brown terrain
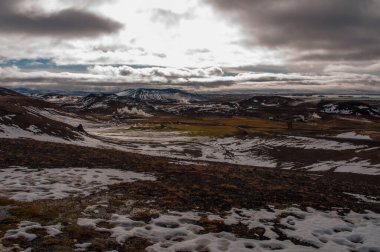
[[215, 187]]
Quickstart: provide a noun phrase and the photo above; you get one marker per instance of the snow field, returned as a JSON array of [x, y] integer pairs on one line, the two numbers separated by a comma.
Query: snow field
[[314, 230], [24, 184]]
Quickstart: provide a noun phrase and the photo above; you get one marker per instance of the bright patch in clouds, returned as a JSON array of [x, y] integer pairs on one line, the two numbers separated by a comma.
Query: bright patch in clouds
[[166, 33], [104, 45]]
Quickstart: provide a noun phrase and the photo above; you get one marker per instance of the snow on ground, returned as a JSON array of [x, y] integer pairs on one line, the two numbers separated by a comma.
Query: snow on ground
[[312, 230], [353, 165], [24, 230], [353, 135], [63, 117], [365, 198], [33, 132], [183, 162], [25, 184], [255, 151], [249, 151], [13, 131], [133, 111]]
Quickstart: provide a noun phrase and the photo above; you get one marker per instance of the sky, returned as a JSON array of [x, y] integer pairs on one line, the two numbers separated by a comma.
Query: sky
[[287, 46]]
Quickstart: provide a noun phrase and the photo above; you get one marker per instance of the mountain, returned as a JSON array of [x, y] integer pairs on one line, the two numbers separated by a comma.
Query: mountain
[[101, 102], [134, 103], [161, 95], [8, 92], [43, 92]]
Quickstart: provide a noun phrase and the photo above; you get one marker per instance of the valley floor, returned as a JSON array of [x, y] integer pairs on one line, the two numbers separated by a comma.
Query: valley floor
[[185, 184]]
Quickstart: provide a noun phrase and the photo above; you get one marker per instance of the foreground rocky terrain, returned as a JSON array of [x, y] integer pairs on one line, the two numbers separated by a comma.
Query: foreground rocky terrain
[[87, 179]]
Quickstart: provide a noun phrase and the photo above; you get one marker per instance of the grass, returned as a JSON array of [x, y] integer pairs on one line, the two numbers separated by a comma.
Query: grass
[[237, 126], [233, 126], [200, 130], [216, 126], [5, 201]]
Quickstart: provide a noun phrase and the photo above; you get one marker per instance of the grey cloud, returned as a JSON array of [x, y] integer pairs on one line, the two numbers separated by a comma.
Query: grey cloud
[[373, 69], [159, 55], [165, 73], [202, 79], [197, 51], [320, 30], [65, 23], [105, 48], [168, 17]]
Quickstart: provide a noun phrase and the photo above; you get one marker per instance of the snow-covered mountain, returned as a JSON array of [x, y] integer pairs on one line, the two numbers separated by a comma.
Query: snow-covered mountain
[[96, 101], [163, 95]]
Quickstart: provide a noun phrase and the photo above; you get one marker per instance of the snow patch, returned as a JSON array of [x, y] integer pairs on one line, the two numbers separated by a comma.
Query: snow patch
[[133, 111], [23, 230], [365, 198], [353, 166], [316, 230], [24, 184], [353, 135]]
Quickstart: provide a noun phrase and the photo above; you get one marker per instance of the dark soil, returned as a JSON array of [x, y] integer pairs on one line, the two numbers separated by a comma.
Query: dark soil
[[216, 187]]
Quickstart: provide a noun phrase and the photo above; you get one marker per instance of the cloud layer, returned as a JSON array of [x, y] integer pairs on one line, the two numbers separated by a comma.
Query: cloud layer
[[290, 45], [211, 79], [15, 18], [318, 30]]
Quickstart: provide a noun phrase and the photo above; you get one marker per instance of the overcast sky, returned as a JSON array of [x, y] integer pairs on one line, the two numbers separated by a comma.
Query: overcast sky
[[196, 45]]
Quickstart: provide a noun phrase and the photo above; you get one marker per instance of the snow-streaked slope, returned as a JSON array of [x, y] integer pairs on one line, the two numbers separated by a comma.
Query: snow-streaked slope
[[164, 95], [29, 118]]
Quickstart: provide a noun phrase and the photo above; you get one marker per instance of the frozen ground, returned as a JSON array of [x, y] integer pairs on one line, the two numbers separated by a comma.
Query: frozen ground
[[257, 151], [26, 230], [271, 152], [353, 165], [35, 133], [353, 135], [288, 229], [25, 184], [60, 116]]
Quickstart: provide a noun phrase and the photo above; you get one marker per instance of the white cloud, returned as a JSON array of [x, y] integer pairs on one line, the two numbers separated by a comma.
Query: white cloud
[[343, 68], [200, 79], [166, 73], [203, 30]]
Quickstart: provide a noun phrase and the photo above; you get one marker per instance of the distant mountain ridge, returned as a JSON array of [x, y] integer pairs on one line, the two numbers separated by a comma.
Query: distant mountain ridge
[[164, 95], [8, 92]]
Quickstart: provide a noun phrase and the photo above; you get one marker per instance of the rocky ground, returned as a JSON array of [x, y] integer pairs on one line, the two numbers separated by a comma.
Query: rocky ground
[[188, 203], [78, 179]]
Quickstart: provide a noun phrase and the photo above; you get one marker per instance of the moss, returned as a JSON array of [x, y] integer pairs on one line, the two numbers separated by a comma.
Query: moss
[[213, 226], [144, 215], [64, 250], [98, 245], [28, 211], [83, 234], [6, 202]]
